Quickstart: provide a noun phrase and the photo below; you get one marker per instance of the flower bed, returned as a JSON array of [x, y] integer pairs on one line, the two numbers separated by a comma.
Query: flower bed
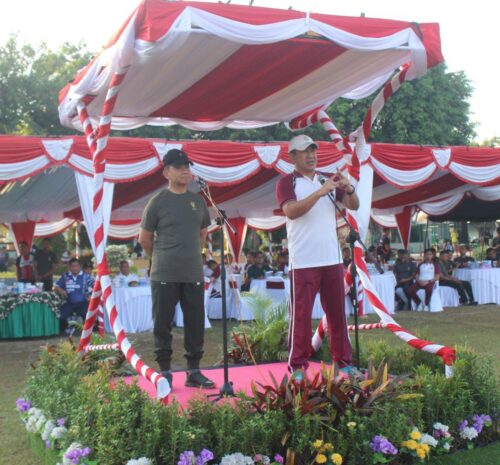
[[81, 418]]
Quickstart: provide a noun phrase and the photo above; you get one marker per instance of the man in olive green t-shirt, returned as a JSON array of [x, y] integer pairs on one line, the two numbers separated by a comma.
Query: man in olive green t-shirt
[[173, 228]]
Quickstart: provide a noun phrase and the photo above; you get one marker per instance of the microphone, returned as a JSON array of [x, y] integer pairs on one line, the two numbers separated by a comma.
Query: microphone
[[201, 182]]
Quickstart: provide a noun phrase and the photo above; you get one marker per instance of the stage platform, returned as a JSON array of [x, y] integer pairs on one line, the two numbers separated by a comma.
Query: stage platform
[[241, 377]]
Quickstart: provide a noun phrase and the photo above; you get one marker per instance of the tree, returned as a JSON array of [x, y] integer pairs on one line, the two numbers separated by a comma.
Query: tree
[[30, 81], [432, 110]]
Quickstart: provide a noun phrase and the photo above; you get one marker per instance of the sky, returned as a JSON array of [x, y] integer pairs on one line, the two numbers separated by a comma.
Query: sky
[[470, 33]]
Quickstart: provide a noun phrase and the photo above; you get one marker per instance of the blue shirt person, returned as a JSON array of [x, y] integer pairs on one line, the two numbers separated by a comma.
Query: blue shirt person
[[76, 287]]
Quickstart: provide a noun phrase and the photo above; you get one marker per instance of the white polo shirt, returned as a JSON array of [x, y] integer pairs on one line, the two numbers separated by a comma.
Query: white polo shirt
[[426, 271], [312, 238]]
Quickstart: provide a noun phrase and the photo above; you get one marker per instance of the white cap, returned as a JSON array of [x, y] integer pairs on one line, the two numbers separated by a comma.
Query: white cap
[[301, 143]]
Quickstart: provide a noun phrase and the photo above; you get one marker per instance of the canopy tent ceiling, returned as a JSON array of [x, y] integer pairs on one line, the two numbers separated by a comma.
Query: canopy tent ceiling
[[242, 177], [250, 66]]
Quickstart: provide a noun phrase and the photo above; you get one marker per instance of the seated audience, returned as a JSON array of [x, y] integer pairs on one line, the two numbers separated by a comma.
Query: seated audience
[[462, 261], [426, 277], [491, 255], [215, 268], [125, 278], [76, 287], [207, 272], [283, 262], [371, 256], [89, 269], [231, 266], [496, 244], [4, 259], [256, 271], [249, 263], [346, 257], [25, 264], [405, 272], [447, 279]]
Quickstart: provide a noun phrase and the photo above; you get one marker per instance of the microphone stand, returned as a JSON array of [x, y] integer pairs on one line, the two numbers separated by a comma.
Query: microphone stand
[[352, 237], [226, 389]]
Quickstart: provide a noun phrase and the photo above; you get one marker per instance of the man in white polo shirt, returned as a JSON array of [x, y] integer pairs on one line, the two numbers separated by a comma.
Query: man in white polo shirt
[[314, 253]]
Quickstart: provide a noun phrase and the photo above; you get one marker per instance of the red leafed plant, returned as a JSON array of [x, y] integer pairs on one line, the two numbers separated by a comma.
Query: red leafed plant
[[326, 393]]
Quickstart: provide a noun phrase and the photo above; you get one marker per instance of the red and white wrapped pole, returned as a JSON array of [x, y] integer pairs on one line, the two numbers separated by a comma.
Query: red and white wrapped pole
[[97, 144]]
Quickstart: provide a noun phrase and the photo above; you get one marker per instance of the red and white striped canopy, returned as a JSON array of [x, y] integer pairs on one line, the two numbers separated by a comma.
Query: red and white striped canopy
[[39, 177], [207, 66]]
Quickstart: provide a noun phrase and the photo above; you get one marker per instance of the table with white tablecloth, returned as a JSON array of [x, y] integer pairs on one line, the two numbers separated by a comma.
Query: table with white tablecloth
[[485, 283], [134, 306], [384, 285]]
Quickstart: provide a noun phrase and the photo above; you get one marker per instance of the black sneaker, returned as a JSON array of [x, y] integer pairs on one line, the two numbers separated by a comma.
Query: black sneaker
[[167, 374], [195, 378]]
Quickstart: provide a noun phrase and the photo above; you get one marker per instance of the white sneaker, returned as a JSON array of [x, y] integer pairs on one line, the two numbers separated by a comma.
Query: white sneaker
[[420, 307], [426, 308]]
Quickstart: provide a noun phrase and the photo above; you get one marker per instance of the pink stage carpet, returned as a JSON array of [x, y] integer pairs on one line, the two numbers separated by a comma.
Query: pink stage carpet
[[241, 377]]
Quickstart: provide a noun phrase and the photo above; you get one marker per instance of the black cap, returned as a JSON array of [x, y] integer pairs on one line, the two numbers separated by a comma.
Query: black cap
[[176, 157]]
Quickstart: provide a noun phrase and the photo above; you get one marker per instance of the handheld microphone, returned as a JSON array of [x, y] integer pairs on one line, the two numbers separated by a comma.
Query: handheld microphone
[[201, 182]]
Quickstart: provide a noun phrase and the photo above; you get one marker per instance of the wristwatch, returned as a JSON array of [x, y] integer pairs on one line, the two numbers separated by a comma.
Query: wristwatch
[[353, 190]]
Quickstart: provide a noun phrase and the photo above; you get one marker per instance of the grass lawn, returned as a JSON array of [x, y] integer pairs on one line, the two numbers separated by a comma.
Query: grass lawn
[[476, 327]]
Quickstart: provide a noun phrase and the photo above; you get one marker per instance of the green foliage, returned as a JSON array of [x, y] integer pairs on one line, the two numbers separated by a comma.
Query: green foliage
[[106, 414], [115, 254], [265, 338], [30, 81]]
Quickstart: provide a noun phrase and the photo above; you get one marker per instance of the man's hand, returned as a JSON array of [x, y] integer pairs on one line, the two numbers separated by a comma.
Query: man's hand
[[341, 181], [327, 187]]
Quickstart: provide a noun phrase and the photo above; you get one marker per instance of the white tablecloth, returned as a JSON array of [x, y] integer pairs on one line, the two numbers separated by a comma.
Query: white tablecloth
[[485, 283], [385, 285], [135, 310]]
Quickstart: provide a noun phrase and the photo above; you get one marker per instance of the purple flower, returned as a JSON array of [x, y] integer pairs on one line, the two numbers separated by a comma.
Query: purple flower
[[462, 425], [477, 423], [278, 458], [486, 418], [23, 405], [61, 422], [186, 458], [86, 452], [205, 456], [47, 444], [382, 445]]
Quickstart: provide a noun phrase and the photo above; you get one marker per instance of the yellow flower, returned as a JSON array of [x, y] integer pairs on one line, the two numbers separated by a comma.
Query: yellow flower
[[420, 453], [321, 458], [351, 425], [411, 444], [336, 459], [416, 435], [317, 444], [328, 446], [425, 447]]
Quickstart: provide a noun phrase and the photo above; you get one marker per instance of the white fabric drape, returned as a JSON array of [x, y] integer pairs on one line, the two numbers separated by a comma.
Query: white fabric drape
[[440, 207], [266, 224], [50, 229], [124, 231], [85, 187]]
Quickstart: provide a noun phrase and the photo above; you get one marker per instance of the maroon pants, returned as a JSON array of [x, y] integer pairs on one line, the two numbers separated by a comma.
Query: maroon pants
[[305, 283], [412, 292]]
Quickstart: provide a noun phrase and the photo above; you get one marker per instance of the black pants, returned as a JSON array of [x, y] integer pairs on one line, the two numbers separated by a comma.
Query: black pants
[[48, 283], [80, 309], [463, 287], [191, 297]]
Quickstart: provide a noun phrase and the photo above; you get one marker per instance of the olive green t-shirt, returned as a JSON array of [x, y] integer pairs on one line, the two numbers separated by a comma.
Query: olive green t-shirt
[[176, 220]]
